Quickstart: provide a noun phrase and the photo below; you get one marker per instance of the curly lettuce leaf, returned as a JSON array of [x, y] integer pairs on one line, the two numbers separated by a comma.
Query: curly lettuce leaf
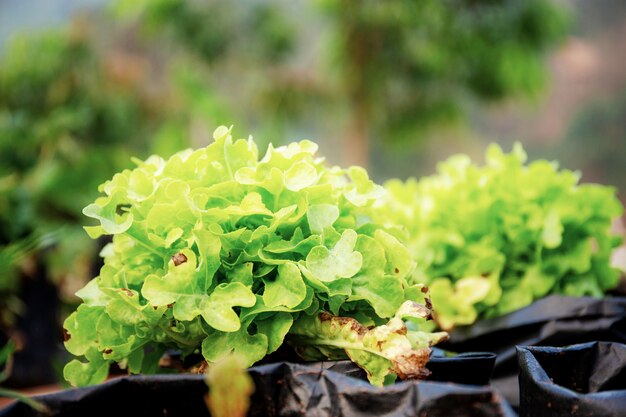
[[384, 351]]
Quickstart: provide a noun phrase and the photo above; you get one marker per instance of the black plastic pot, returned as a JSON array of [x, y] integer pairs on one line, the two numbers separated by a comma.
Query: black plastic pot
[[282, 389], [552, 321], [582, 380]]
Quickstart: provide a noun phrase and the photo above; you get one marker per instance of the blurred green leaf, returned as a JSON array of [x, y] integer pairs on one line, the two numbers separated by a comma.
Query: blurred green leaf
[[230, 388]]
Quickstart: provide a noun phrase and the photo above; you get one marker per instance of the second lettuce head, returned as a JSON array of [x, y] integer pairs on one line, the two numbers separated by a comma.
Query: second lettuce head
[[492, 239]]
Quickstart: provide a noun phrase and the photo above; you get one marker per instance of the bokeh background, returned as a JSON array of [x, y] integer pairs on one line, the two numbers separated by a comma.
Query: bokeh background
[[554, 73], [395, 86]]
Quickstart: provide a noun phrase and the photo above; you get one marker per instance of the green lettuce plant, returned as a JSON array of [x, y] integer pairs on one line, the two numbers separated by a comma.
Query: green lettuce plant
[[217, 252], [491, 239]]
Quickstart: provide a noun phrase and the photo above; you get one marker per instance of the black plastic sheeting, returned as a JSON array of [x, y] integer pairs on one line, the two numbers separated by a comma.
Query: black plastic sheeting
[[282, 389], [552, 321], [588, 379], [472, 368]]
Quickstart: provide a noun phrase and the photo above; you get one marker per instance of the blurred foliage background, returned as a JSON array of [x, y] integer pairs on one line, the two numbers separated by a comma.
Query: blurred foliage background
[[395, 86]]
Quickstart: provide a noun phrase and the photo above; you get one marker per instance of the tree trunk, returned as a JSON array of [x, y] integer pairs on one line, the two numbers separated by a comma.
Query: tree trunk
[[358, 55], [356, 142]]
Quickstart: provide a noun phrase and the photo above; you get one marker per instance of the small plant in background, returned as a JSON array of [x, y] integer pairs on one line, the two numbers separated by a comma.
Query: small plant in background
[[6, 363], [215, 251], [491, 239], [14, 260]]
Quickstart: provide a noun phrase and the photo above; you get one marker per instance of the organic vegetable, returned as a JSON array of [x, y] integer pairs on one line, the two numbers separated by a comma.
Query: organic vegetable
[[216, 251], [491, 239]]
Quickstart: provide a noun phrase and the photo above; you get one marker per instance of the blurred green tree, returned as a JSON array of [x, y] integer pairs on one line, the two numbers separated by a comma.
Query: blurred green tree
[[602, 123], [243, 51], [409, 65], [397, 68], [75, 106]]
